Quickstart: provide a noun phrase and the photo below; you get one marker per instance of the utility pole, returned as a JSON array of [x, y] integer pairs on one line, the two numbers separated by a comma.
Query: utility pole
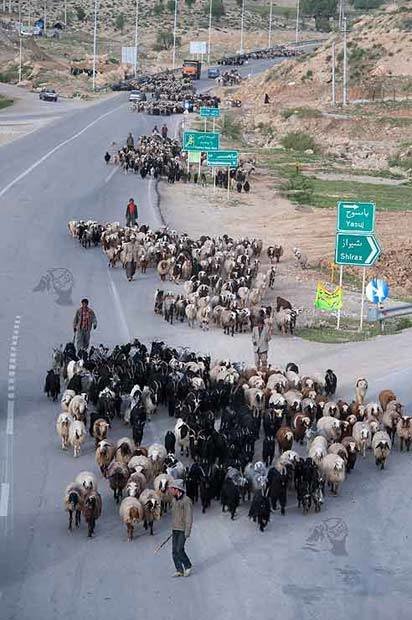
[[96, 8], [341, 13], [270, 24], [45, 17], [20, 57], [210, 32], [65, 13], [136, 27], [174, 37], [242, 23], [333, 76], [297, 21], [29, 13], [345, 66]]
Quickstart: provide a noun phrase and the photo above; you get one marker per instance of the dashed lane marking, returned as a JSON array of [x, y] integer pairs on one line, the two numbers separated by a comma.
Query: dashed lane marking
[[4, 499]]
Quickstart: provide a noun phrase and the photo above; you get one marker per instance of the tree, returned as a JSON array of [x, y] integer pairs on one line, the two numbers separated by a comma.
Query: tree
[[321, 10], [171, 6], [120, 22], [81, 13], [190, 3], [164, 40], [218, 9]]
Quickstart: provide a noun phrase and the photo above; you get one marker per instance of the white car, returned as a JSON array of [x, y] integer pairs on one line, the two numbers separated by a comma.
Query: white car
[[137, 95]]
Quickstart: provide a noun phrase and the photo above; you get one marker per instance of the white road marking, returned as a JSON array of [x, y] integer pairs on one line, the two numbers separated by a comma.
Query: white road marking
[[10, 417], [119, 308], [111, 174], [4, 499], [54, 150]]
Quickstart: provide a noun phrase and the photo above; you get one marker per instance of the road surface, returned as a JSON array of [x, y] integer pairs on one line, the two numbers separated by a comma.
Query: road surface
[[351, 559]]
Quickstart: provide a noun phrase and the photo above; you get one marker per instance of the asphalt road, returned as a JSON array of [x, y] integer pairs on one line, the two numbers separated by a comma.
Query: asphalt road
[[351, 559]]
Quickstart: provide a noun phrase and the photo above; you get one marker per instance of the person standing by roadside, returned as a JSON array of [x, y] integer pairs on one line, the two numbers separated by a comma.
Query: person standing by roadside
[[260, 340], [84, 321], [182, 519], [164, 131], [131, 213]]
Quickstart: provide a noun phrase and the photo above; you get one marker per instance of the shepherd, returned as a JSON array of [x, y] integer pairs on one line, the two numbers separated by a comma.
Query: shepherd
[[84, 320], [260, 340], [182, 519], [131, 213]]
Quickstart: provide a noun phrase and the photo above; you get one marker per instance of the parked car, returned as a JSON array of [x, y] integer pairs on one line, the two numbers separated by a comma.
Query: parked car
[[213, 73], [137, 95], [48, 94]]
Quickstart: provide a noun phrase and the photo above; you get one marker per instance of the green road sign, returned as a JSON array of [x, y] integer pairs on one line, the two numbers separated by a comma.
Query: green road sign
[[210, 112], [357, 217], [200, 141], [194, 157], [223, 158], [359, 250]]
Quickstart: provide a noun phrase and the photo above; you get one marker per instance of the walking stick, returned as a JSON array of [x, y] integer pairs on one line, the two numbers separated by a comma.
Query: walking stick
[[162, 544]]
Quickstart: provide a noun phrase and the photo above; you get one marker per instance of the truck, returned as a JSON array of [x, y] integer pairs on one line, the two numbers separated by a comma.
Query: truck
[[192, 69]]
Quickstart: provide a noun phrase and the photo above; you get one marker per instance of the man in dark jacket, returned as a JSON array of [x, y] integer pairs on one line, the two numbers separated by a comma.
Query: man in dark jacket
[[131, 213], [84, 320], [182, 519]]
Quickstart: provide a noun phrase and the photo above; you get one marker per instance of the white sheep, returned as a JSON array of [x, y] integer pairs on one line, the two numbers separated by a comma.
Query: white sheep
[[318, 449], [124, 450], [157, 454], [78, 407], [381, 446], [329, 427], [362, 435], [100, 428], [63, 428], [105, 452], [131, 513], [77, 436], [66, 398], [161, 485], [361, 387], [333, 468], [289, 457], [340, 450], [87, 480], [143, 465]]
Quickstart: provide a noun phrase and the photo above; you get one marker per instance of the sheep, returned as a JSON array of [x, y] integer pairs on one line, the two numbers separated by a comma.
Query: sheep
[[361, 434], [143, 465], [373, 410], [136, 484], [350, 445], [87, 480], [92, 509], [228, 321], [300, 425], [100, 428], [191, 313], [333, 468], [170, 442], [260, 509], [152, 508], [230, 497], [52, 384], [329, 427], [73, 502], [404, 432], [340, 450], [66, 398], [183, 434], [63, 424], [331, 409], [385, 397], [125, 448], [255, 399], [131, 513], [318, 449], [301, 258], [381, 446], [149, 401], [78, 407], [157, 454], [105, 452], [77, 436], [361, 387], [391, 416], [284, 438], [117, 475], [161, 485]]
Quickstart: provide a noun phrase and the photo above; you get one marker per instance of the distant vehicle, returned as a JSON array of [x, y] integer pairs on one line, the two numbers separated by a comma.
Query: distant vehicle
[[213, 73], [137, 95], [192, 69], [48, 94], [26, 32], [120, 86]]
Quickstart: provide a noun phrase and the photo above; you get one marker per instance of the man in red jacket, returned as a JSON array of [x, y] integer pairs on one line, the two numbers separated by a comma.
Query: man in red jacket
[[131, 213]]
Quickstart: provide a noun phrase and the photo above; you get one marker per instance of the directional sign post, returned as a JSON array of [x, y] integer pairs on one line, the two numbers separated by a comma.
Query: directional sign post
[[223, 158], [200, 141], [377, 290], [357, 250], [356, 217], [209, 112]]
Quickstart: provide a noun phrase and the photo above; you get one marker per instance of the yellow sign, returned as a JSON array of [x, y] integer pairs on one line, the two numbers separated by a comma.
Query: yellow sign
[[328, 300]]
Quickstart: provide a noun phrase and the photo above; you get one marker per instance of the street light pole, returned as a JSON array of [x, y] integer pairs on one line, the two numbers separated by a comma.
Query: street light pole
[[345, 66], [270, 23], [45, 17], [20, 57], [242, 23], [333, 76], [135, 37], [65, 14], [297, 21], [210, 32], [174, 37], [96, 8]]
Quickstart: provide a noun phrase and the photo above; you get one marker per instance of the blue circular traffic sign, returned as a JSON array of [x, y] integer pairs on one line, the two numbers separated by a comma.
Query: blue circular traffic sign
[[377, 290]]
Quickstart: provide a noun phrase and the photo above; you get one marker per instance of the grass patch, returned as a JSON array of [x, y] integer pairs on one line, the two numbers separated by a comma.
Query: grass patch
[[298, 141], [5, 102], [328, 333], [386, 197], [231, 127]]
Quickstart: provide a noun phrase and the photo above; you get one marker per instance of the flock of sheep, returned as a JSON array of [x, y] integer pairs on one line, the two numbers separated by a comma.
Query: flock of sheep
[[293, 410], [223, 283]]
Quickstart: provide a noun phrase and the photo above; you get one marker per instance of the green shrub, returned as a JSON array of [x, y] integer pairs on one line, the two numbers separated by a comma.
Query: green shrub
[[298, 141], [299, 188], [164, 40], [365, 5], [80, 13]]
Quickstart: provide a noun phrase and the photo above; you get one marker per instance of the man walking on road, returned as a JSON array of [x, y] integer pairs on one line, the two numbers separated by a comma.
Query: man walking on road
[[131, 213], [260, 339], [182, 519], [164, 131], [84, 320]]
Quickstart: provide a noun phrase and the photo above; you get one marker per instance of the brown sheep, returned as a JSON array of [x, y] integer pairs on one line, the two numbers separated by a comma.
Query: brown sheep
[[284, 438], [105, 452], [350, 444], [100, 428], [404, 432], [385, 397], [300, 425]]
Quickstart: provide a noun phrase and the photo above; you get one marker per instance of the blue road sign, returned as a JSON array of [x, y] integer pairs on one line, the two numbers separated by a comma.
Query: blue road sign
[[377, 290]]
